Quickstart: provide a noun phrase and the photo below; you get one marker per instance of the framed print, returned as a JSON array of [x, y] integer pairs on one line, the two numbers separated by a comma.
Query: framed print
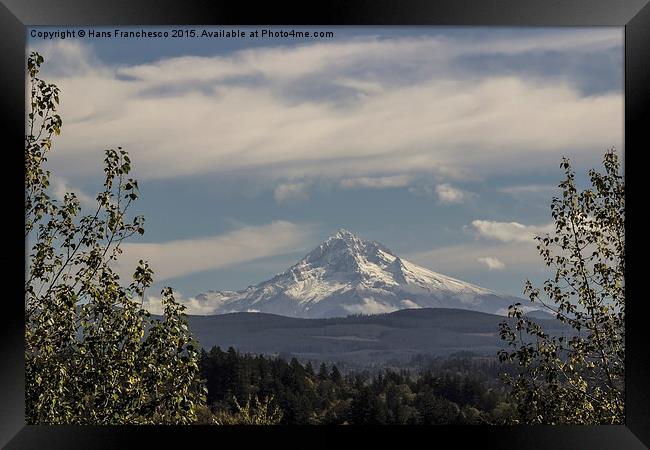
[[406, 219]]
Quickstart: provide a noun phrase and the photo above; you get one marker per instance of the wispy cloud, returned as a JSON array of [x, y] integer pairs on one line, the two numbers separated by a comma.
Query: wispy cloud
[[291, 192], [181, 257], [376, 182], [523, 189], [448, 194], [491, 262], [541, 194]]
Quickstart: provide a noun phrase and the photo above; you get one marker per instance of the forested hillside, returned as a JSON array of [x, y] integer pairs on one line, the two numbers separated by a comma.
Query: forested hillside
[[461, 389]]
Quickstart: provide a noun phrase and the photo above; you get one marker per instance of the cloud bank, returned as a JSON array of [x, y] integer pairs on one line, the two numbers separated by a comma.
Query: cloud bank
[[348, 110]]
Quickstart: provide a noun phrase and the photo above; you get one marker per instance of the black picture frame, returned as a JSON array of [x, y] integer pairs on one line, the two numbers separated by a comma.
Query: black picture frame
[[634, 15]]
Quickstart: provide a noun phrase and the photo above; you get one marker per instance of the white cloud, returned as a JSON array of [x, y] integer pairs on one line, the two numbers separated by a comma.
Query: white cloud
[[406, 303], [363, 87], [376, 182], [291, 192], [448, 194], [369, 306], [178, 122], [510, 231], [491, 262], [181, 257]]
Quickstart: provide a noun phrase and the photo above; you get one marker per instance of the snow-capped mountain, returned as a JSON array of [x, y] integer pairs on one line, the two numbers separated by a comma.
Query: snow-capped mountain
[[347, 275]]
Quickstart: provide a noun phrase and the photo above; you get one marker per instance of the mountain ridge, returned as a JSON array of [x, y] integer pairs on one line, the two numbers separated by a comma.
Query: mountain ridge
[[361, 340]]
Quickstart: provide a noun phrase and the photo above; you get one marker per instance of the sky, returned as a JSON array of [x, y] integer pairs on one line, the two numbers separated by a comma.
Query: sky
[[443, 143]]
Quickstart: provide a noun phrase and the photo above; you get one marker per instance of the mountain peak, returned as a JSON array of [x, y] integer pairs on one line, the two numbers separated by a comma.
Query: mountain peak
[[339, 252], [342, 233], [346, 274], [344, 242], [346, 236]]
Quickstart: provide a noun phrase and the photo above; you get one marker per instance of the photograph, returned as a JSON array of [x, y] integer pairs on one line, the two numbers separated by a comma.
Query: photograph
[[325, 225]]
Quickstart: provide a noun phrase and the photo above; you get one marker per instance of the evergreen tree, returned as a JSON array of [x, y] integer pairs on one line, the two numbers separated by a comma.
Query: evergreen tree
[[309, 369], [322, 372], [388, 397], [336, 375]]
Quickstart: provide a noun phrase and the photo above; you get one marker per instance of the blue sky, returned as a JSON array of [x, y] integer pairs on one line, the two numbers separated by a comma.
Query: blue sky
[[443, 143]]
